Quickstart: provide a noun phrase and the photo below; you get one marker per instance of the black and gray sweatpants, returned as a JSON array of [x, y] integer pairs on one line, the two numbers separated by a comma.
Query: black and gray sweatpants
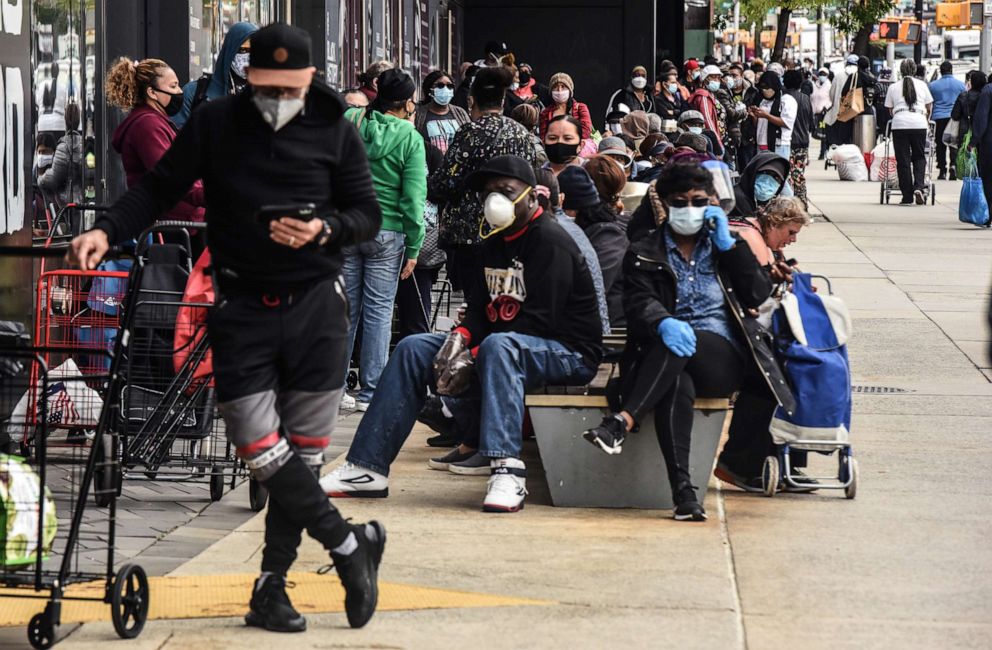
[[279, 362]]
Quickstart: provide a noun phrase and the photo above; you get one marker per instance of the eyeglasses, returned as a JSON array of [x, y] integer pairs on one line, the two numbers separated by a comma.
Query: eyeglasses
[[444, 85], [698, 202]]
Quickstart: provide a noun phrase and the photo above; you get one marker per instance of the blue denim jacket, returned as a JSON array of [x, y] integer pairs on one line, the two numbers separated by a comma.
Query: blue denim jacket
[[699, 299]]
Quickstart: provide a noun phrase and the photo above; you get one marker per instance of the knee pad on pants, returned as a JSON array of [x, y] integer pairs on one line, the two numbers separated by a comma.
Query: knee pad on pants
[[266, 456]]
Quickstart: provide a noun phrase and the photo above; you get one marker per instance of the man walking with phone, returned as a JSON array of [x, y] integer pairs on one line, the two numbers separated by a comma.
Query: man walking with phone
[[279, 329]]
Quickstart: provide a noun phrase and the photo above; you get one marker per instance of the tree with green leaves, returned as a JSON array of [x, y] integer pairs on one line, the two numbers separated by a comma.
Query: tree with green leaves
[[857, 17]]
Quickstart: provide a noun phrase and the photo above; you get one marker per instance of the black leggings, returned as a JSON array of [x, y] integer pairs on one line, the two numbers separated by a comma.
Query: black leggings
[[668, 385], [911, 160]]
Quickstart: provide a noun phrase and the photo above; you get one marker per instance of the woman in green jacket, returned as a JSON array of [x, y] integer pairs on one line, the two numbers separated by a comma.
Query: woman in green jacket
[[373, 269]]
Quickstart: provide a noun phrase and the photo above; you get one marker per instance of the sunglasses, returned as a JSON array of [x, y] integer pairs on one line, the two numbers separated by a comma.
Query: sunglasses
[[699, 202], [443, 85]]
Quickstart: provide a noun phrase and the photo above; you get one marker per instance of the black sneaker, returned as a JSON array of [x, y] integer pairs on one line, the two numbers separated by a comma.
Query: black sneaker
[[609, 435], [270, 607], [454, 456], [687, 508], [727, 475], [359, 572], [919, 197], [433, 416], [804, 483], [941, 176], [953, 176]]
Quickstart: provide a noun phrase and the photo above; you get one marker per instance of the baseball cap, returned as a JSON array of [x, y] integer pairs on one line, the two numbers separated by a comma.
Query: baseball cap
[[691, 64], [492, 47], [711, 70], [852, 59], [502, 166], [280, 56]]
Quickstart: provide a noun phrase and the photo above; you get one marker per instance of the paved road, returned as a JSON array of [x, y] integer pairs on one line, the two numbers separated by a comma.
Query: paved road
[[907, 564]]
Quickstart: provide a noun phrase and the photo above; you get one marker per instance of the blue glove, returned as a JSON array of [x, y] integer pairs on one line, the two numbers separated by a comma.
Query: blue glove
[[719, 227], [678, 336]]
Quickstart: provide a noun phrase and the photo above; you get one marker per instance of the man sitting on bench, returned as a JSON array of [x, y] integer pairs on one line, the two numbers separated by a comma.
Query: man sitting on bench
[[539, 326], [684, 284]]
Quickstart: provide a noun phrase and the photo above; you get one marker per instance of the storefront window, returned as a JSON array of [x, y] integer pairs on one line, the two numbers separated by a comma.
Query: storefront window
[[209, 21], [63, 89]]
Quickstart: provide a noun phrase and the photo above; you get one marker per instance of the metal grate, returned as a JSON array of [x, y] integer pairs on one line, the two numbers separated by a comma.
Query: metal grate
[[877, 390]]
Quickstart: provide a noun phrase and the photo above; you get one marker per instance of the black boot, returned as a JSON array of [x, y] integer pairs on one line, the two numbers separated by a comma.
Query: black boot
[[359, 573], [270, 607]]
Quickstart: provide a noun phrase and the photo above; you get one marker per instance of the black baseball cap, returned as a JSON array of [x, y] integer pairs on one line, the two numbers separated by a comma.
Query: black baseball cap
[[280, 56], [496, 47], [502, 166]]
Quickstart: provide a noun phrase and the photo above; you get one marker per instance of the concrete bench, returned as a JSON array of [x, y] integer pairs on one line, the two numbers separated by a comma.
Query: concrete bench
[[580, 475]]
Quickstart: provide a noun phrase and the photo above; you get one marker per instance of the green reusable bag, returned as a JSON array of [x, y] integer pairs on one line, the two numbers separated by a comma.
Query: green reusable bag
[[20, 499], [961, 164]]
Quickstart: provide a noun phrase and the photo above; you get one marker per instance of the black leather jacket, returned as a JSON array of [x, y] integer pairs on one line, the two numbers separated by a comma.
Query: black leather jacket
[[649, 297]]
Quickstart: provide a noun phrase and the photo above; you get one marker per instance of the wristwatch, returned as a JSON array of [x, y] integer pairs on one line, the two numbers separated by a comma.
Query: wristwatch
[[325, 233]]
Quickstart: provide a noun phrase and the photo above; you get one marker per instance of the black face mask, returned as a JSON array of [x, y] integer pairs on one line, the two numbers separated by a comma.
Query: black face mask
[[175, 103], [524, 78], [561, 153]]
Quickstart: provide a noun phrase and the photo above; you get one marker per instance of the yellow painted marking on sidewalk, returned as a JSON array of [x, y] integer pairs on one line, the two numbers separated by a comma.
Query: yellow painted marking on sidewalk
[[227, 595]]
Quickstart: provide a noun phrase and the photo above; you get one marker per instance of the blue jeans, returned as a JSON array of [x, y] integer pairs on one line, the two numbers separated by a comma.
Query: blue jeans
[[371, 273], [508, 365]]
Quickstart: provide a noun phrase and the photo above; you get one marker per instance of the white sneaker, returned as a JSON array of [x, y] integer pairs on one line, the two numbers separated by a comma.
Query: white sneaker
[[507, 485], [352, 481], [361, 406], [347, 403]]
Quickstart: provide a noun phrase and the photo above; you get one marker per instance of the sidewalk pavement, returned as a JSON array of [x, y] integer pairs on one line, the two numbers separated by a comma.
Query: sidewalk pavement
[[907, 564]]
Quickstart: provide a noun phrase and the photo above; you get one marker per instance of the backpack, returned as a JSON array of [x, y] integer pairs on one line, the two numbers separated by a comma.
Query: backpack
[[811, 334]]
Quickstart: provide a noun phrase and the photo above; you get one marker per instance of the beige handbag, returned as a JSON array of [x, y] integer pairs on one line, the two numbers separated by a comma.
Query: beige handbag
[[853, 103]]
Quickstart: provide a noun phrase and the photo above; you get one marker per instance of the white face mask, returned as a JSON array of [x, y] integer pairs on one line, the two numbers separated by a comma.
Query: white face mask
[[560, 96], [639, 82], [687, 220], [498, 212], [277, 113], [43, 160]]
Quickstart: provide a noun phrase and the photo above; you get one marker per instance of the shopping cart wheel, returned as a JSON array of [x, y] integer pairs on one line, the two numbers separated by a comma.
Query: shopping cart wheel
[[41, 631], [258, 496], [770, 476], [352, 380], [881, 193], [849, 469], [129, 601], [216, 483]]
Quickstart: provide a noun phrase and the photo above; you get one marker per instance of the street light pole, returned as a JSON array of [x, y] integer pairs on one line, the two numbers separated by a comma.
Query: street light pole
[[918, 48], [985, 40]]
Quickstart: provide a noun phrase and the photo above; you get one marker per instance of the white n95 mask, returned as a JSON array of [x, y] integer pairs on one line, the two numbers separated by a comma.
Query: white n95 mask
[[498, 212]]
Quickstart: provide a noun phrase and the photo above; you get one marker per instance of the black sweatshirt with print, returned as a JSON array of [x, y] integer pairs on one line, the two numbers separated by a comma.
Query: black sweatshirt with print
[[535, 282]]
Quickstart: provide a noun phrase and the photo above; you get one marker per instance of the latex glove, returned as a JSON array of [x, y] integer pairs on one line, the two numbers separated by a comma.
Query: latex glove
[[457, 375], [716, 220], [678, 336], [454, 345]]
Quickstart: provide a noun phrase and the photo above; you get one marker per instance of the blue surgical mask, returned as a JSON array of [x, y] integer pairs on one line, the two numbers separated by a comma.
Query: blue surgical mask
[[698, 130], [443, 95], [713, 86], [673, 88], [765, 188]]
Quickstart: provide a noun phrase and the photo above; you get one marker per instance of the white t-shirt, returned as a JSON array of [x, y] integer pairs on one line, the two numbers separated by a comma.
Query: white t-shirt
[[903, 115], [789, 111]]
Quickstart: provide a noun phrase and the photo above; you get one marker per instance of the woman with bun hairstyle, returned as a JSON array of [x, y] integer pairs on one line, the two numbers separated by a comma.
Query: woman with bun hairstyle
[[149, 92]]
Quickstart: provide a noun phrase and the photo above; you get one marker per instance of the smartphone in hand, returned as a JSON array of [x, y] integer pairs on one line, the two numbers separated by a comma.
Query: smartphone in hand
[[301, 211]]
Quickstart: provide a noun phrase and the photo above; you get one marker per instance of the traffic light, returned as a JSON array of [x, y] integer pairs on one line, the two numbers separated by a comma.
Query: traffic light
[[960, 14], [910, 32], [888, 30]]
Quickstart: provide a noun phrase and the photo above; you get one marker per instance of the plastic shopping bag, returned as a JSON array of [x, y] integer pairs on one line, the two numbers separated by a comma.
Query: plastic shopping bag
[[850, 163], [69, 402], [20, 499], [972, 207], [883, 168]]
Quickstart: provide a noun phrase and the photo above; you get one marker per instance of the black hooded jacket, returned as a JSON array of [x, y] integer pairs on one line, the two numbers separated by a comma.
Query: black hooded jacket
[[764, 161], [316, 158]]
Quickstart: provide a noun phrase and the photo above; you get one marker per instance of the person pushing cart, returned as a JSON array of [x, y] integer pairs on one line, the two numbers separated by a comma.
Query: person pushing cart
[[287, 185]]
